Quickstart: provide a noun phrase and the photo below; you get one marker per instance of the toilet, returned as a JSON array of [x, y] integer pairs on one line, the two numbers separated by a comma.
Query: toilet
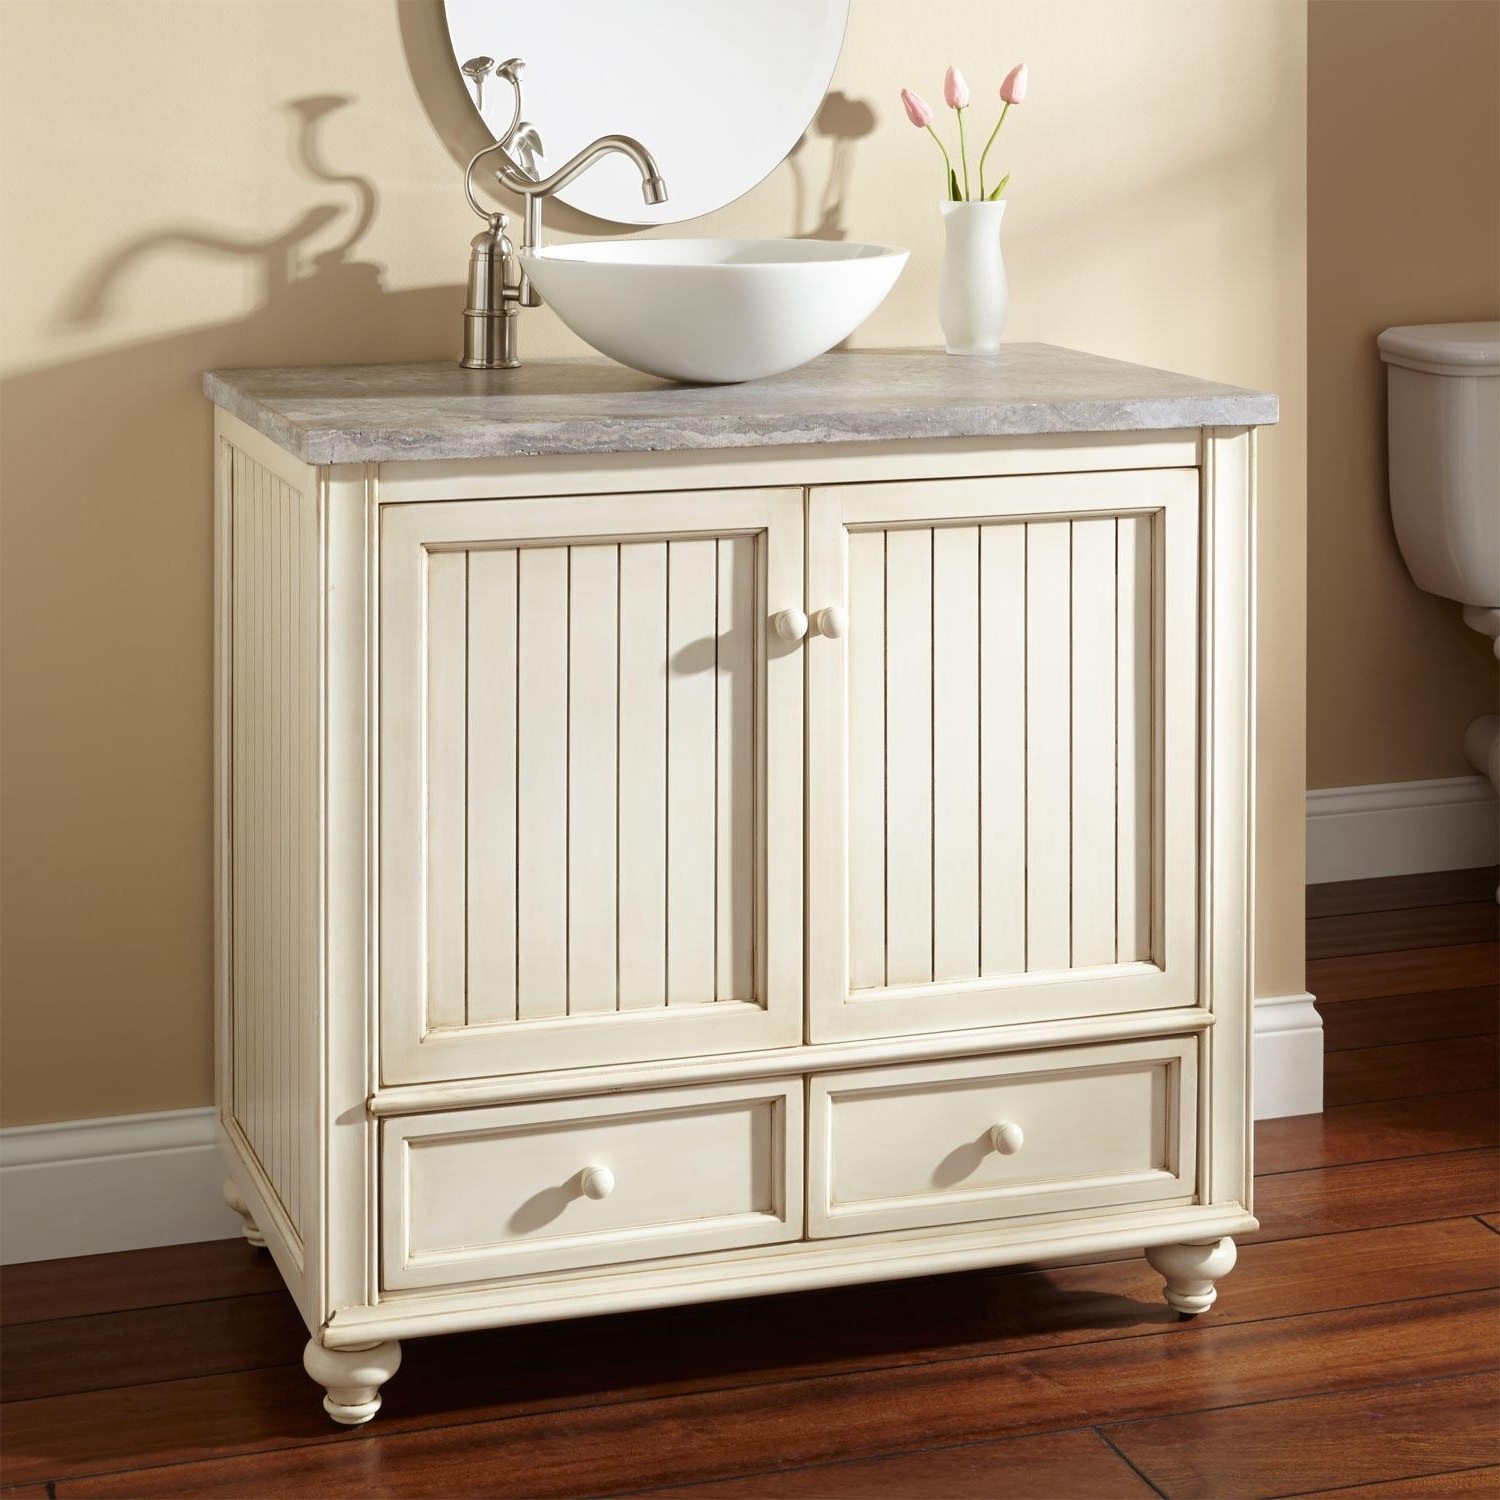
[[1443, 416]]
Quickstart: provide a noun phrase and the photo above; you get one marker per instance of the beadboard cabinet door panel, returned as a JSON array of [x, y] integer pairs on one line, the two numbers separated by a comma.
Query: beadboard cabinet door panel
[[590, 765], [1002, 748]]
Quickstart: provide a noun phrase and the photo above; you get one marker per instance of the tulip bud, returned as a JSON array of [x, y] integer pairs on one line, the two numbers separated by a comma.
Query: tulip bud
[[918, 111], [1013, 90], [955, 90]]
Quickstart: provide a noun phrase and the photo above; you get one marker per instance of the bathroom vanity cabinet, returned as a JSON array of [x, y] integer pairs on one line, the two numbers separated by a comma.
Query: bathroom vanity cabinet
[[689, 843]]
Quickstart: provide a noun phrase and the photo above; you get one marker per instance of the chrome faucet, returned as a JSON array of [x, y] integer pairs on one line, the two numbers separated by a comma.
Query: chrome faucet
[[498, 287]]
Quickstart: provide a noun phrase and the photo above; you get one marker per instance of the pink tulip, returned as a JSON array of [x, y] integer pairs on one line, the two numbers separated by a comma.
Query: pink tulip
[[918, 111], [1012, 91], [955, 90]]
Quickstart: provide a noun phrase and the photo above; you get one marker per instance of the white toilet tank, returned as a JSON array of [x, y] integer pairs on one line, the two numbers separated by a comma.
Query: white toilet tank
[[1443, 416]]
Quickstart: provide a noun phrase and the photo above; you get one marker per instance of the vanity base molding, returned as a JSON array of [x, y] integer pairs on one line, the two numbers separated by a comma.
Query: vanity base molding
[[797, 1267], [659, 878]]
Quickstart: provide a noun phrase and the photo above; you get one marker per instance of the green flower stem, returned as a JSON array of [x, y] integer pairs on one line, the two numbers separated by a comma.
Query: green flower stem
[[1004, 110], [947, 162], [963, 152]]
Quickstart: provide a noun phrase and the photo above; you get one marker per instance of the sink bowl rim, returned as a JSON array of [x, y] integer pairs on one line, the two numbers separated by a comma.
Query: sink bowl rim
[[829, 253]]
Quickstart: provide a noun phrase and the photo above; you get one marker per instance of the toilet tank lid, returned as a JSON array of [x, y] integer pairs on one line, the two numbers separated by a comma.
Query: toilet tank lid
[[1444, 348]]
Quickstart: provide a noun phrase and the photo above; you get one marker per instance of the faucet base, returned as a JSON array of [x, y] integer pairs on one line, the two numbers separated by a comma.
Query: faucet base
[[490, 340]]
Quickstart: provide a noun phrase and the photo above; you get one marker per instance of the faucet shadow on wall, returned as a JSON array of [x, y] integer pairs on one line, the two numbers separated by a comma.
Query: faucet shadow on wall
[[841, 121], [286, 263]]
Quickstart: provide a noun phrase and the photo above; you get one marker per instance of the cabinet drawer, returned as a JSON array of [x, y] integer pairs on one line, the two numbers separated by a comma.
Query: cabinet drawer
[[1000, 1137], [474, 1194]]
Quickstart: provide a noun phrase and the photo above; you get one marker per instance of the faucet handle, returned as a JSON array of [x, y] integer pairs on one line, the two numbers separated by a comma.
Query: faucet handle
[[526, 146], [476, 70]]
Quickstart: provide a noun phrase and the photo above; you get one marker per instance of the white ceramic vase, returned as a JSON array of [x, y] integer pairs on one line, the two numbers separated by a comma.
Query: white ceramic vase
[[973, 298]]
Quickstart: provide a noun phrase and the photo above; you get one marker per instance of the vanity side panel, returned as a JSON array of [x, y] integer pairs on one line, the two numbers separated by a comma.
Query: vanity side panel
[[343, 1235], [1227, 770], [269, 963]]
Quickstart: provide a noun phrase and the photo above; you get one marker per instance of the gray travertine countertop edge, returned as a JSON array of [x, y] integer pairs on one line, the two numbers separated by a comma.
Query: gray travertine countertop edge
[[389, 413]]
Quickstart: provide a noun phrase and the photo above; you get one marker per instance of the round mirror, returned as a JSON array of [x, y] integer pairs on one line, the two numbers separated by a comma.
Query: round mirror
[[718, 91]]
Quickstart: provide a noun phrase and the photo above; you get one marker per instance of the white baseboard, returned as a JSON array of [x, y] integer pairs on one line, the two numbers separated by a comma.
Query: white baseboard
[[1288, 1057], [84, 1187], [1401, 828], [87, 1187]]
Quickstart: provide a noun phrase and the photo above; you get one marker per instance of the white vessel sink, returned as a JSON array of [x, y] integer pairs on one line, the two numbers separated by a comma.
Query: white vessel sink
[[713, 310]]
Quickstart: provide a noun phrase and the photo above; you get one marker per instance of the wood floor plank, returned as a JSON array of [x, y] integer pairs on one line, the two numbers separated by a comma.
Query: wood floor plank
[[43, 1289], [743, 1345], [1452, 1065], [1381, 1130], [612, 1446], [1315, 1442], [1029, 1468], [41, 1492], [1410, 927], [1392, 892], [1367, 1195], [1450, 1484], [1367, 976], [147, 1345], [1424, 1016], [1491, 1221]]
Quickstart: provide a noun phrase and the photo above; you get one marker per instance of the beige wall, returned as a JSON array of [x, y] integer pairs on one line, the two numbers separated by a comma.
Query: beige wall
[[1403, 159], [162, 218]]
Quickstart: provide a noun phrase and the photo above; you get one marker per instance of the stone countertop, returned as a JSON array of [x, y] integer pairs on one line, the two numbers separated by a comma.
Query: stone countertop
[[385, 413]]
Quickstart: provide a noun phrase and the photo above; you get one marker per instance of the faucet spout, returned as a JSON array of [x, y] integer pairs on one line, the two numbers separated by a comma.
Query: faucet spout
[[653, 188]]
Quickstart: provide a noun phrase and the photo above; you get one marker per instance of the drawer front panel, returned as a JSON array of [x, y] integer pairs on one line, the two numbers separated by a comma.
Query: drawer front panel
[[590, 759], [1002, 751], [989, 1138], [477, 1194]]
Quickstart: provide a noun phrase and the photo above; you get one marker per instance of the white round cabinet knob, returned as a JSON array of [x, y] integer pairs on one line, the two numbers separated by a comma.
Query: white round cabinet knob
[[790, 624], [833, 621], [1007, 1138], [597, 1182]]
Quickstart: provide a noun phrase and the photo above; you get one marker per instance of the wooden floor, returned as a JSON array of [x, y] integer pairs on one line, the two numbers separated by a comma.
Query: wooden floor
[[1353, 1350]]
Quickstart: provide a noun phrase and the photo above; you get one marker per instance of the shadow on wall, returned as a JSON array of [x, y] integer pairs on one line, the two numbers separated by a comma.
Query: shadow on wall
[[107, 589], [841, 121], [286, 266]]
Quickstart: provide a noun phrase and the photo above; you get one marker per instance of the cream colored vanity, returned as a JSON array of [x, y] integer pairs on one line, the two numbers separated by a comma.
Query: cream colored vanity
[[679, 844]]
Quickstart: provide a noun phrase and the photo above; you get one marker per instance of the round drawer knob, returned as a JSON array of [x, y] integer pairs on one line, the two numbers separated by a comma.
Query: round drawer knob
[[790, 624], [833, 621], [597, 1182], [1007, 1138]]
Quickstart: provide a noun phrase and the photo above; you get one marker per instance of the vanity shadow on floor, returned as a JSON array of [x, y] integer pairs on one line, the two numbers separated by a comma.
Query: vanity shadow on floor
[[1354, 1345]]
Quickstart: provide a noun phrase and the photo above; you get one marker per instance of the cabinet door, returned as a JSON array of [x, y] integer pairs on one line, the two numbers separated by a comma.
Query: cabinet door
[[590, 759], [1002, 750]]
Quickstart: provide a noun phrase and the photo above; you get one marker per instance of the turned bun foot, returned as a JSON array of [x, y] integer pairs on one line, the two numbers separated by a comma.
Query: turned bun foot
[[352, 1378], [237, 1203], [1190, 1272]]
